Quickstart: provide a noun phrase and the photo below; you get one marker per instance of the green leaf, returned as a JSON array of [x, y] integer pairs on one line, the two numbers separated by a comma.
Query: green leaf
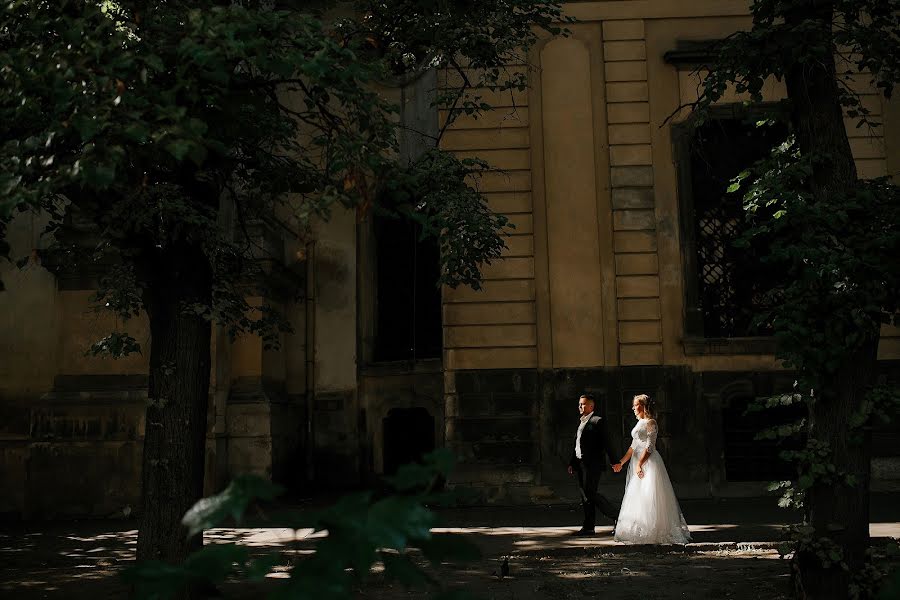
[[890, 589], [233, 501], [216, 561], [213, 563], [86, 126], [115, 345], [155, 62], [260, 567], [179, 149], [400, 568], [137, 132], [100, 176], [396, 519], [448, 547], [785, 548]]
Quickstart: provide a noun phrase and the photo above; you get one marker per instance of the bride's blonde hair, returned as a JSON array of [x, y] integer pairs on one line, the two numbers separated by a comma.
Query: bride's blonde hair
[[647, 404]]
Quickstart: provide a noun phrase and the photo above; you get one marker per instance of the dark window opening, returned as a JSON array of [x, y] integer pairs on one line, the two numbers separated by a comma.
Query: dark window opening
[[408, 436], [750, 459], [725, 285], [408, 309]]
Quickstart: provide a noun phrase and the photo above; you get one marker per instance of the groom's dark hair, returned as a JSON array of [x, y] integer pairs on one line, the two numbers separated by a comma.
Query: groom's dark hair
[[588, 396]]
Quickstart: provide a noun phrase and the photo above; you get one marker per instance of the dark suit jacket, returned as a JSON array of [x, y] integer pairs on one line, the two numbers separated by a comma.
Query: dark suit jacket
[[595, 446]]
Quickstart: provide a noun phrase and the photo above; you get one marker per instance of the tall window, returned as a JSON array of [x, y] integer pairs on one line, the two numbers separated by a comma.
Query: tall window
[[408, 310], [724, 284]]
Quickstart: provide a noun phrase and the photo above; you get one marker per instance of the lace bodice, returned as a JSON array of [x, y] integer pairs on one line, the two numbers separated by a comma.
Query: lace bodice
[[644, 436]]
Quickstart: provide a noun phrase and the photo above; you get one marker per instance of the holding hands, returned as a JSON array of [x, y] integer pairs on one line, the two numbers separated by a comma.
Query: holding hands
[[617, 467]]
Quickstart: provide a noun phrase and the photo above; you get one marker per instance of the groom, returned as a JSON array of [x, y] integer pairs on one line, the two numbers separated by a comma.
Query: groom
[[591, 444]]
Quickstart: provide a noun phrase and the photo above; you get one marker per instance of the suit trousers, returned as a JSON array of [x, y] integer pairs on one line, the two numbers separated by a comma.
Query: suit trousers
[[588, 480]]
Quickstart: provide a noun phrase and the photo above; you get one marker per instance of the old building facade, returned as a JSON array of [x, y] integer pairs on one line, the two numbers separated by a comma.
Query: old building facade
[[617, 280]]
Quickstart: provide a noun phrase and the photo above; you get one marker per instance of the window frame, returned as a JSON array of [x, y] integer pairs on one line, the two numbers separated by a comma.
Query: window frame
[[694, 340]]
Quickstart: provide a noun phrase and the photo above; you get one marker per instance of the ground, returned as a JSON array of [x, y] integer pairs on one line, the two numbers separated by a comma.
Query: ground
[[733, 556]]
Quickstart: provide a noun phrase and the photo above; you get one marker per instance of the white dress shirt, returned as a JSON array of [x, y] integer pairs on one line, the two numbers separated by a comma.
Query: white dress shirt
[[584, 421]]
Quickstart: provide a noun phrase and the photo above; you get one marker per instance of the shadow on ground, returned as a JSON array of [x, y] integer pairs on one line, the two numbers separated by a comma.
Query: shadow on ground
[[83, 559]]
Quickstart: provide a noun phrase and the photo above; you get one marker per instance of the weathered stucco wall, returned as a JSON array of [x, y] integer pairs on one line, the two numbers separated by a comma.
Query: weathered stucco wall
[[590, 147], [28, 315], [589, 296], [336, 407]]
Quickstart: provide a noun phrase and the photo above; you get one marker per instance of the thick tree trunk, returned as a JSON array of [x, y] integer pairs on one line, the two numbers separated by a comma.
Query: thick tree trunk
[[838, 512], [174, 442]]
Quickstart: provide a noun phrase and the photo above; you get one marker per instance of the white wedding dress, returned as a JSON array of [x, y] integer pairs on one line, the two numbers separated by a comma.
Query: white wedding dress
[[650, 513]]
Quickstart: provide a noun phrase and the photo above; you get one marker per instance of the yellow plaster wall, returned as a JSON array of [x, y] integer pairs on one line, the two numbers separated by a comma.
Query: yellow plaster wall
[[80, 325], [573, 222], [28, 315], [495, 327], [246, 351], [571, 165], [335, 303]]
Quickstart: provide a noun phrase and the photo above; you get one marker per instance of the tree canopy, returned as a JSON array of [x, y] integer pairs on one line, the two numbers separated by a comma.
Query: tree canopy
[[833, 239], [145, 117], [141, 126]]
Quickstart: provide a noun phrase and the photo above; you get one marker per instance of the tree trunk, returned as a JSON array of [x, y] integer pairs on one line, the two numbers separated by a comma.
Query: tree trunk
[[175, 438], [839, 512]]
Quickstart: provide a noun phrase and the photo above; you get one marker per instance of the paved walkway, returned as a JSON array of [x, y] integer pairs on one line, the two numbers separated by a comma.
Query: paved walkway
[[721, 522], [80, 559], [547, 529]]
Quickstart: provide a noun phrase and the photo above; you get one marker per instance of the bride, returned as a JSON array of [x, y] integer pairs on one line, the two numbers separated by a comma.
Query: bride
[[650, 513]]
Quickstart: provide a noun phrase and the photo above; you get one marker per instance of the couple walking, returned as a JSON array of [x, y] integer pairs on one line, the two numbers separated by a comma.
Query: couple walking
[[650, 513]]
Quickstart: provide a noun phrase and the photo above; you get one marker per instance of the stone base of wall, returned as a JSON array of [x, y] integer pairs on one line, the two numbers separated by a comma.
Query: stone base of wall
[[77, 450], [265, 432], [386, 389], [514, 429]]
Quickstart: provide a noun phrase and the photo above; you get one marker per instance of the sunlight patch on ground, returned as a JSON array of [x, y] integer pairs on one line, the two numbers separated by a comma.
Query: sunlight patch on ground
[[260, 536], [884, 529]]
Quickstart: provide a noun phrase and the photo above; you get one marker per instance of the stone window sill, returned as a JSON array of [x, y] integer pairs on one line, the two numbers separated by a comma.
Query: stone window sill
[[403, 367]]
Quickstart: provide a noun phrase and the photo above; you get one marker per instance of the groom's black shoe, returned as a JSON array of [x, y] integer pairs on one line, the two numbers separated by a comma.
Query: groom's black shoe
[[582, 533]]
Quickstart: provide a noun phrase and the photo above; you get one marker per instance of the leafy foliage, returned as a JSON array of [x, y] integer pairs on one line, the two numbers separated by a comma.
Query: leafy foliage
[[833, 237], [362, 531], [170, 137], [838, 269], [863, 34], [233, 501], [149, 119]]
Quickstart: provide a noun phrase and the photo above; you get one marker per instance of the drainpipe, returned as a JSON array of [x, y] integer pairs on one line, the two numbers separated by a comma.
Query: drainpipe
[[310, 317]]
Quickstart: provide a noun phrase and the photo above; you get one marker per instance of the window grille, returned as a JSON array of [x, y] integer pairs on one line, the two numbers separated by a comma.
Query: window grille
[[726, 286]]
